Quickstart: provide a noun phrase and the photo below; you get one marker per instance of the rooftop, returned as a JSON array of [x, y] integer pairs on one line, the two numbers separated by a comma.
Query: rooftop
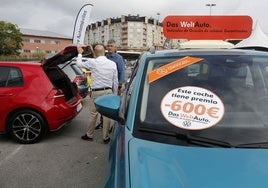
[[32, 32]]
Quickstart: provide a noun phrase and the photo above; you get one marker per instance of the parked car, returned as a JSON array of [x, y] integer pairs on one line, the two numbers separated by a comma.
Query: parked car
[[37, 97], [77, 76], [191, 118]]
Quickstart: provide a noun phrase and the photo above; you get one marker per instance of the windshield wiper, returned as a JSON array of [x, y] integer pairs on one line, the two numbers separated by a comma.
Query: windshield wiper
[[192, 139], [203, 141]]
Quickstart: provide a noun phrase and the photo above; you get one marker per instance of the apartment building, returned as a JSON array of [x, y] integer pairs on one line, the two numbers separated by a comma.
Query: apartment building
[[45, 42], [130, 32]]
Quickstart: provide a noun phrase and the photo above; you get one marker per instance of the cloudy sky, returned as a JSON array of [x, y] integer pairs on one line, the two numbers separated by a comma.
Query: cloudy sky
[[59, 15]]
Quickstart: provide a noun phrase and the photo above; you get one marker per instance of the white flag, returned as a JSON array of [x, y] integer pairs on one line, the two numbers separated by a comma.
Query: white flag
[[81, 24]]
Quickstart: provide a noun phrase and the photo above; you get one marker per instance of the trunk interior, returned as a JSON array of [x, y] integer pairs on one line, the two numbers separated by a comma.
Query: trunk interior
[[61, 81]]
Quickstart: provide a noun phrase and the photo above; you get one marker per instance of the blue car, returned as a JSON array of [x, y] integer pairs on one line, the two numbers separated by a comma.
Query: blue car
[[191, 119]]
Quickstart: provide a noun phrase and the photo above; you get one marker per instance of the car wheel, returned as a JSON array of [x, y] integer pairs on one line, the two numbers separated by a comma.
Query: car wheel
[[26, 126]]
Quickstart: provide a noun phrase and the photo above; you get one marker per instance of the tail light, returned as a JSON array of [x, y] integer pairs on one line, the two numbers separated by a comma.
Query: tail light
[[55, 93], [79, 80]]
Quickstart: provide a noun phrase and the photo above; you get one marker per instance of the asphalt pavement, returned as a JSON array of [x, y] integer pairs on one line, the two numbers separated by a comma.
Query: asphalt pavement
[[61, 160]]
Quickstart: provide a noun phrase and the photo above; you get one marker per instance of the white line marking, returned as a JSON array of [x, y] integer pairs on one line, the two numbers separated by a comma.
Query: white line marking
[[14, 152]]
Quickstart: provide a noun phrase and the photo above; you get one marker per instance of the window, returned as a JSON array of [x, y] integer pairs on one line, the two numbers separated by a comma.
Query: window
[[26, 40], [239, 82], [10, 77], [26, 51], [55, 42], [37, 41]]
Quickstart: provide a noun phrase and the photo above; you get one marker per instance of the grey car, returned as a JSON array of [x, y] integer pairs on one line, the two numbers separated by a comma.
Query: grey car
[[77, 76]]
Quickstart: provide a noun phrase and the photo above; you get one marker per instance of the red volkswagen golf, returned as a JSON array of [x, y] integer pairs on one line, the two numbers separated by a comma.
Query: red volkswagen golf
[[37, 97]]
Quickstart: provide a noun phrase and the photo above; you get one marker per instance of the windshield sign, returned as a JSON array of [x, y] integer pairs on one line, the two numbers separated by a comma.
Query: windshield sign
[[192, 108], [172, 67]]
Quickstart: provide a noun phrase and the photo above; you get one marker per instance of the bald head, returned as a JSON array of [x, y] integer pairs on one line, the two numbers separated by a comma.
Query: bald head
[[99, 50]]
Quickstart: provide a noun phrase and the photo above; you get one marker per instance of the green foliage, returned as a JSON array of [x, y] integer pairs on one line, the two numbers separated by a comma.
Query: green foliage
[[10, 39], [33, 57], [39, 55]]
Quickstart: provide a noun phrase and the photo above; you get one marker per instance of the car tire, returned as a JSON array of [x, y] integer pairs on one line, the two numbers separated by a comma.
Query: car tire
[[26, 126]]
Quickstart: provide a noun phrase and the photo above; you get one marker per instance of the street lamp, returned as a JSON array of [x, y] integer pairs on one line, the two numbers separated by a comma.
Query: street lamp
[[157, 32], [210, 5], [158, 14]]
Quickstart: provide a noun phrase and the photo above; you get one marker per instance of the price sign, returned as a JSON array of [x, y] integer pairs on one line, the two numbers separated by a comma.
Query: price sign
[[192, 108]]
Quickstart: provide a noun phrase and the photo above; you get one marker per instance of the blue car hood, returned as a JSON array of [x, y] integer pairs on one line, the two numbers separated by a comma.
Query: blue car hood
[[161, 165]]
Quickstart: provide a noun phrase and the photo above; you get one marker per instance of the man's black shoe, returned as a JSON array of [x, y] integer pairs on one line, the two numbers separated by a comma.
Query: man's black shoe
[[106, 141], [85, 137]]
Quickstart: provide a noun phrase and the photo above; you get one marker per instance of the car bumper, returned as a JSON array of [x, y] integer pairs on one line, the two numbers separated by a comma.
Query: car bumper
[[62, 114]]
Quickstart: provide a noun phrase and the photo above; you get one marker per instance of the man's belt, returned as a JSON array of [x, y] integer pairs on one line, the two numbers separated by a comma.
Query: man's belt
[[100, 89]]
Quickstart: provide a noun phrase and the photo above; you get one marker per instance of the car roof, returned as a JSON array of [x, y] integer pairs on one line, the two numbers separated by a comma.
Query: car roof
[[19, 63], [188, 52]]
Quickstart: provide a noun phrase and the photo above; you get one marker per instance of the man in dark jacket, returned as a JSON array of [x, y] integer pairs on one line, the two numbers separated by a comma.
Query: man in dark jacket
[[120, 64]]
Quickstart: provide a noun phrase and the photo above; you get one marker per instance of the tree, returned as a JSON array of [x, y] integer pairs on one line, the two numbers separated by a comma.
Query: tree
[[10, 39]]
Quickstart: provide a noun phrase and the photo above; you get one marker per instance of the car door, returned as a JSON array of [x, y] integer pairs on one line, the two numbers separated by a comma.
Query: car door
[[11, 83]]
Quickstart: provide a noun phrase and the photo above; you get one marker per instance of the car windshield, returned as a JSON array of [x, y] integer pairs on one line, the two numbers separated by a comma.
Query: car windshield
[[221, 98]]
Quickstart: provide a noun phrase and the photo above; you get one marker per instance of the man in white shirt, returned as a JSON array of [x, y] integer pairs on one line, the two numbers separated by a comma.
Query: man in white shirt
[[104, 81]]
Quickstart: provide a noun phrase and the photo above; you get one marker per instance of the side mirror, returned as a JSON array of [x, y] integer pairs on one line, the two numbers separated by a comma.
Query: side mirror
[[108, 105]]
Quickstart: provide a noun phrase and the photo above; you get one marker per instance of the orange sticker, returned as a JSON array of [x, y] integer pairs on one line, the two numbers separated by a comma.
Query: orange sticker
[[172, 67], [207, 27]]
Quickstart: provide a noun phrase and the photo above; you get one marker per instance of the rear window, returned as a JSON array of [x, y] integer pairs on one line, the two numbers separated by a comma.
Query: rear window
[[76, 69]]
